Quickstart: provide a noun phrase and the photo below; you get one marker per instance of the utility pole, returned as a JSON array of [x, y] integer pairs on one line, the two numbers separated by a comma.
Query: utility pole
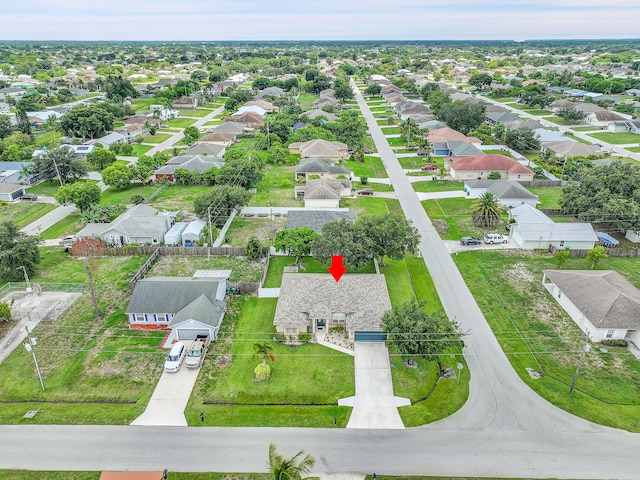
[[585, 348], [210, 234], [30, 346], [26, 278]]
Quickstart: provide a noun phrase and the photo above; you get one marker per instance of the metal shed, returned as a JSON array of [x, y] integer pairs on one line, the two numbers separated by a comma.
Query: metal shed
[[193, 232], [174, 235]]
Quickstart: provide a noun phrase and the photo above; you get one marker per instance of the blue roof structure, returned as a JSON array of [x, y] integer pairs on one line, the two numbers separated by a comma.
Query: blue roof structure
[[607, 240]]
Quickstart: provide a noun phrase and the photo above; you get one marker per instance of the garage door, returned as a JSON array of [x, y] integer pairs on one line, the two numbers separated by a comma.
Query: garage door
[[191, 333], [370, 336]]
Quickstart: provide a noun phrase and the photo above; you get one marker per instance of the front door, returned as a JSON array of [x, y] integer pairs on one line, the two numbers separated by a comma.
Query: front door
[[320, 324]]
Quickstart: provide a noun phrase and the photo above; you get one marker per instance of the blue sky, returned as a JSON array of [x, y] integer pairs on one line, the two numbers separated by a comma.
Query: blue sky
[[318, 20]]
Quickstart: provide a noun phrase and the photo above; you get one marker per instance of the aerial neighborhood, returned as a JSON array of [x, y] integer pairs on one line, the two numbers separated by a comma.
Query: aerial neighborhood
[[266, 223]]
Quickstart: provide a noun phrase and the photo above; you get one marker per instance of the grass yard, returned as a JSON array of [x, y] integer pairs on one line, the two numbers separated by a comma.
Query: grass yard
[[48, 188], [390, 130], [305, 100], [178, 197], [370, 167], [617, 137], [211, 123], [139, 104], [411, 162], [549, 196], [397, 141], [456, 212], [507, 287], [305, 385], [587, 129], [633, 149], [67, 226], [157, 138], [242, 229], [242, 270], [197, 113], [555, 119], [538, 112], [309, 265], [111, 196], [577, 139], [181, 122], [438, 186], [24, 213], [276, 188], [371, 205], [139, 149]]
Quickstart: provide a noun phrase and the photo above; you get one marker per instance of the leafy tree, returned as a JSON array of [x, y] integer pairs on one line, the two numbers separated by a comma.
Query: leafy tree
[[561, 257], [125, 150], [409, 127], [346, 239], [296, 241], [100, 158], [571, 115], [494, 176], [462, 116], [18, 250], [87, 249], [222, 199], [5, 127], [413, 331], [241, 172], [480, 80], [253, 249], [595, 255], [191, 135], [98, 213], [294, 468], [5, 312], [373, 89], [199, 75], [93, 121], [348, 129], [485, 211], [118, 88], [311, 132], [82, 194], [321, 82], [343, 91], [182, 176], [437, 100], [278, 154], [118, 176], [522, 139], [210, 175], [59, 162], [264, 350], [390, 235], [22, 122]]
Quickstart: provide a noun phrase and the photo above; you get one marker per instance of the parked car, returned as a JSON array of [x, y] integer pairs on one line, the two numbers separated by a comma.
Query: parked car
[[429, 168], [492, 238], [32, 197], [365, 191], [197, 351], [175, 357], [470, 241], [68, 241]]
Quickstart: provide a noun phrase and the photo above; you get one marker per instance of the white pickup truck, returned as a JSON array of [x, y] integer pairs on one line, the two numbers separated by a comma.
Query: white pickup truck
[[197, 351]]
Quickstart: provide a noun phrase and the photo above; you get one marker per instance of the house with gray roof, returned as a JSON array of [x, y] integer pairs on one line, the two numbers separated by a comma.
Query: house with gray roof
[[324, 193], [109, 139], [603, 303], [320, 148], [141, 224], [570, 148], [312, 302], [10, 191], [322, 167], [189, 306], [207, 148], [502, 117], [232, 127], [191, 163], [509, 193], [316, 219], [532, 229]]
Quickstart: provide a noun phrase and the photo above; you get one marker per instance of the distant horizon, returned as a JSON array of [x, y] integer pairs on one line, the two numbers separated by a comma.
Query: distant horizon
[[355, 20], [337, 40]]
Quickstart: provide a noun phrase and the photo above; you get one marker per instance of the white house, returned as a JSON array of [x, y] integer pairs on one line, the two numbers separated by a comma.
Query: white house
[[509, 193], [602, 303], [11, 191], [324, 192], [533, 229]]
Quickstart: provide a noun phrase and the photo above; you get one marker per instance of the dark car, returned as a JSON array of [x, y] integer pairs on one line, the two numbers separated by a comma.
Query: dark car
[[32, 197], [470, 241], [365, 191]]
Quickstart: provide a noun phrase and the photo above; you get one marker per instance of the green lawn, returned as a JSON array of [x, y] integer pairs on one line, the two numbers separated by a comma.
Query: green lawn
[[309, 265], [371, 205], [305, 100], [139, 149], [456, 212], [370, 167], [633, 149], [391, 130], [549, 196], [157, 138], [587, 129], [197, 113], [242, 229], [305, 385], [577, 139], [24, 213], [211, 123], [411, 162], [67, 226], [276, 188], [178, 197], [181, 122], [617, 137], [111, 196], [555, 119], [438, 186], [538, 112], [139, 104], [507, 287], [48, 189]]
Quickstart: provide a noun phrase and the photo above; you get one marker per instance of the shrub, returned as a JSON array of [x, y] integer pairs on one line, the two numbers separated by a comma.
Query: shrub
[[262, 372], [278, 337], [304, 337], [253, 250], [364, 180], [136, 199], [615, 343], [5, 312]]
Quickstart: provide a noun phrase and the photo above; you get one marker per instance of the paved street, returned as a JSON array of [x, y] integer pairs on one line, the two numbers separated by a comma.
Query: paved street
[[504, 429]]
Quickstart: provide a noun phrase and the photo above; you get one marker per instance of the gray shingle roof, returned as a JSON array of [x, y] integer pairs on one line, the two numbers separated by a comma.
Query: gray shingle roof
[[171, 294], [320, 165], [363, 298], [503, 188], [316, 219], [202, 310], [605, 297]]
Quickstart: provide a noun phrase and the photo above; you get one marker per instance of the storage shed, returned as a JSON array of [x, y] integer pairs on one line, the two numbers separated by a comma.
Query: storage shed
[[174, 235], [193, 232]]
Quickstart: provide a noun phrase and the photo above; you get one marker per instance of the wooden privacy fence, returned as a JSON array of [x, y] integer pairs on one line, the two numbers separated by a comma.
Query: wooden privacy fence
[[541, 183], [612, 252], [183, 251]]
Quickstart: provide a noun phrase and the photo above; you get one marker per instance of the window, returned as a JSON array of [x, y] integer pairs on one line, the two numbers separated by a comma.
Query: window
[[562, 243], [138, 317], [338, 318], [609, 334]]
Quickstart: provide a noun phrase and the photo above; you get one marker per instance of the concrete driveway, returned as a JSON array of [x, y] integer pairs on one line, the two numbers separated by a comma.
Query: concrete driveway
[[169, 399], [374, 405]]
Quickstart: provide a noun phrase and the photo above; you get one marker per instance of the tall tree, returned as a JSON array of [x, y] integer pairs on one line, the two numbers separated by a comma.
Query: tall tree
[[390, 235], [118, 88], [462, 116], [296, 241], [118, 176], [100, 158], [82, 194], [17, 250], [294, 468], [241, 172], [522, 139], [82, 121], [222, 199], [485, 211], [6, 128], [480, 80], [413, 331], [59, 163], [346, 239], [88, 249]]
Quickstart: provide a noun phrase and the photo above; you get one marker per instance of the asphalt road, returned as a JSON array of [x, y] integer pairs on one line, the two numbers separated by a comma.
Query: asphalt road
[[504, 430]]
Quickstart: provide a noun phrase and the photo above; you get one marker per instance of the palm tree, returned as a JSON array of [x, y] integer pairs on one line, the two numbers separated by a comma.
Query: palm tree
[[263, 350], [407, 127], [289, 468], [485, 210]]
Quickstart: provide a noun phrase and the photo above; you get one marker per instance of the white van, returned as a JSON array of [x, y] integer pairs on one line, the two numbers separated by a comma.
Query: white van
[[175, 357], [492, 238]]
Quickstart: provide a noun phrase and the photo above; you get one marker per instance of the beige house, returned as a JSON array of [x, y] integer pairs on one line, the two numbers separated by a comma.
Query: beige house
[[478, 167], [320, 148], [323, 193], [312, 302]]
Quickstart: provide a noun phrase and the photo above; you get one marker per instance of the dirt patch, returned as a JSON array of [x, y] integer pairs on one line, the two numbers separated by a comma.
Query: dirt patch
[[519, 277]]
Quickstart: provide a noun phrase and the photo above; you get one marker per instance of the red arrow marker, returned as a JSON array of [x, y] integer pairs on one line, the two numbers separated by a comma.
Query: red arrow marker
[[336, 269]]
